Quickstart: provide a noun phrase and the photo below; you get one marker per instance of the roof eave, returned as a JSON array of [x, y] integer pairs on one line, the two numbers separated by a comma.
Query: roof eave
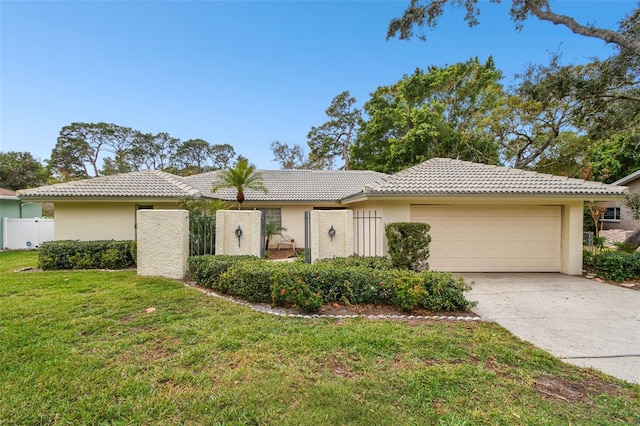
[[118, 199], [370, 196], [627, 179]]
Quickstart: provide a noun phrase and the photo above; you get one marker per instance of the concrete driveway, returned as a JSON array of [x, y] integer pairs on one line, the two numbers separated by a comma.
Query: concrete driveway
[[580, 321]]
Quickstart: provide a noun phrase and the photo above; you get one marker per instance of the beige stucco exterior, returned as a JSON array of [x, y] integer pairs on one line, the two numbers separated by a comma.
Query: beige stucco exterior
[[163, 243], [569, 226], [97, 220], [331, 234], [248, 222], [626, 217]]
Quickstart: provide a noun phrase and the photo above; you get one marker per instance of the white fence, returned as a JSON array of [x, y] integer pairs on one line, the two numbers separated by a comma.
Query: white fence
[[26, 233]]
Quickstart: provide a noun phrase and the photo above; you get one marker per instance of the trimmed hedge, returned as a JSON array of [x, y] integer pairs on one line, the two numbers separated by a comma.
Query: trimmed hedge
[[617, 266], [408, 244], [71, 254], [307, 286]]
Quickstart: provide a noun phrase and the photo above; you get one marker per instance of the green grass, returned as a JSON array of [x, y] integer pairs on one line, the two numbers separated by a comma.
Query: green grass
[[79, 347]]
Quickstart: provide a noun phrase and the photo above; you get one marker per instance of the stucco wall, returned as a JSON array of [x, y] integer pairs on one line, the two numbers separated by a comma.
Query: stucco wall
[[163, 243], [95, 221], [228, 221], [99, 220], [293, 220], [323, 245], [572, 217], [571, 229]]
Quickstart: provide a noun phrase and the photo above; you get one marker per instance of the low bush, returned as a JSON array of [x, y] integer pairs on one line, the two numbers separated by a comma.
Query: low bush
[[373, 262], [307, 286], [617, 266], [70, 254], [290, 290], [249, 279], [408, 244], [207, 269]]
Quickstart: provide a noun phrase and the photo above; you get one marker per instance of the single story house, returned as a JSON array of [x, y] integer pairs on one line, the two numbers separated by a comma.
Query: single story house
[[617, 215], [483, 218], [14, 208]]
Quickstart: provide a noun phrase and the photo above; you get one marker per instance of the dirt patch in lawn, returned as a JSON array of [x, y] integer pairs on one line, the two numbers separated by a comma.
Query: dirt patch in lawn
[[558, 388]]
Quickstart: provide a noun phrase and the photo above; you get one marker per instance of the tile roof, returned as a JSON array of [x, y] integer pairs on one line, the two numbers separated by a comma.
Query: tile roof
[[7, 193], [149, 183], [294, 185], [440, 176], [629, 178]]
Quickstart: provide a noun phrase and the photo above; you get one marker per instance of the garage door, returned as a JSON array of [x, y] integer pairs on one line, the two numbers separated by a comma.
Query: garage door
[[492, 239]]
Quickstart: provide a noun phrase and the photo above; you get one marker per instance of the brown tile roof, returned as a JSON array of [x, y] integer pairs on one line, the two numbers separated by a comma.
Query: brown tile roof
[[7, 192], [150, 183], [294, 185], [440, 176]]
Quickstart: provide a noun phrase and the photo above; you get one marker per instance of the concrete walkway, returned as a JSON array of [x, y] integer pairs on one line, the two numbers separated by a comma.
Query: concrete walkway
[[580, 321]]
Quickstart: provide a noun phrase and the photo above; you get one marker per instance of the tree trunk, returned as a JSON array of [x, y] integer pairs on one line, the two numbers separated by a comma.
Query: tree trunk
[[634, 239]]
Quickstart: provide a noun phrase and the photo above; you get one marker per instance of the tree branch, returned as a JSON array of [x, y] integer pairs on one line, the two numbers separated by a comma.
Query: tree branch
[[542, 11]]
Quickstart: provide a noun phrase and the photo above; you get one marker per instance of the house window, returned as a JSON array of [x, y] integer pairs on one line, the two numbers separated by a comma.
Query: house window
[[144, 207], [272, 215], [612, 214]]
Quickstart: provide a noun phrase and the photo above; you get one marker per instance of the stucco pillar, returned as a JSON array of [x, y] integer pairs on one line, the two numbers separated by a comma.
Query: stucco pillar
[[249, 223], [163, 243], [323, 245], [572, 216]]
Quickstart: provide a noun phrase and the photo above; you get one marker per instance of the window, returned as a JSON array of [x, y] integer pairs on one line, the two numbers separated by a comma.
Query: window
[[612, 214], [272, 215], [144, 207]]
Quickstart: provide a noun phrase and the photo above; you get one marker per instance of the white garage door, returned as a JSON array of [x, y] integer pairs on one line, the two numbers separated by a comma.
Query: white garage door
[[492, 239]]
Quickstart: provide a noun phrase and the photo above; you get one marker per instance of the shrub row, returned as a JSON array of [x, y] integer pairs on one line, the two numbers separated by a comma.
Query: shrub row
[[70, 254], [615, 265], [347, 281]]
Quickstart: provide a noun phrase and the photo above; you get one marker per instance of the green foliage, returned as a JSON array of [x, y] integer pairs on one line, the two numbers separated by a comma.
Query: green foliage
[[633, 203], [206, 270], [615, 156], [69, 254], [271, 229], [347, 281], [241, 177], [624, 247], [80, 349], [250, 280], [426, 13], [408, 244], [617, 266], [587, 257], [290, 290], [408, 290], [440, 112], [373, 262], [445, 292], [333, 138], [20, 170]]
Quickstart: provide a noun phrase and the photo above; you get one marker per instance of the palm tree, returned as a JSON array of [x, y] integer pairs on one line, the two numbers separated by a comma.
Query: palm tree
[[242, 176], [272, 228]]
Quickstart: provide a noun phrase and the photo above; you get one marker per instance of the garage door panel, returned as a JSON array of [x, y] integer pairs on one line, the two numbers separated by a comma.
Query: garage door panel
[[492, 238]]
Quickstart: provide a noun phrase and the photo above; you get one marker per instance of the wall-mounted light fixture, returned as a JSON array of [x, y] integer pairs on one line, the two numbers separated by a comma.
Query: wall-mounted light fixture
[[239, 234], [332, 232]]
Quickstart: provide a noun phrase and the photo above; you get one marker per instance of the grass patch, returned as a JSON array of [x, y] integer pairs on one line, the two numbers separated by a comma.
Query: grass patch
[[83, 347]]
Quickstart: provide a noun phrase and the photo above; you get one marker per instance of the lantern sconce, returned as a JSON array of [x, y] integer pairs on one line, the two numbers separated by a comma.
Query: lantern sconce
[[332, 232], [239, 234]]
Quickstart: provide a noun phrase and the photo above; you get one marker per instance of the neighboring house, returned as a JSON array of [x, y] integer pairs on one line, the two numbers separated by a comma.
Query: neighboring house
[[617, 215], [12, 207], [483, 218]]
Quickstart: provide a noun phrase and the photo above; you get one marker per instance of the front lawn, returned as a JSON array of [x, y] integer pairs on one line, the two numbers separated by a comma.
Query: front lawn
[[90, 347]]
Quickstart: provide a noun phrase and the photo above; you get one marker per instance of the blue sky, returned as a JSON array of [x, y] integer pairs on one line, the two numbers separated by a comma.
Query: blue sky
[[244, 73]]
